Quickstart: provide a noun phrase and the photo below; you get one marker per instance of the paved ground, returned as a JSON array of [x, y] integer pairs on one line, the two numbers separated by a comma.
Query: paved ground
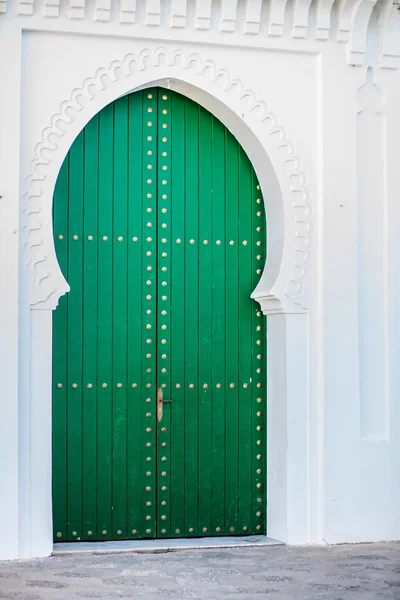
[[365, 572]]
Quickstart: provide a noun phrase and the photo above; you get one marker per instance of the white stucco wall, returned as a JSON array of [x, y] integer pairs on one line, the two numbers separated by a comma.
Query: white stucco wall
[[312, 91]]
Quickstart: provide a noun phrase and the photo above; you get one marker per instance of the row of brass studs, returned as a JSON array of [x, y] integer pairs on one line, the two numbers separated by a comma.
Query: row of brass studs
[[259, 457], [135, 239], [178, 531], [191, 386]]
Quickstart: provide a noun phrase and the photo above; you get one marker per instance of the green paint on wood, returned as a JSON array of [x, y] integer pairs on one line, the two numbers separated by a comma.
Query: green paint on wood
[[160, 230]]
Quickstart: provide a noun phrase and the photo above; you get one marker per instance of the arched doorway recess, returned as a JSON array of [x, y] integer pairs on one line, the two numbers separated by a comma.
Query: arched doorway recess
[[281, 291], [159, 375]]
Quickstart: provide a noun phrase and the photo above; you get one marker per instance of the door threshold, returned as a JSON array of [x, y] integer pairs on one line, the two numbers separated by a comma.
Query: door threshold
[[172, 545]]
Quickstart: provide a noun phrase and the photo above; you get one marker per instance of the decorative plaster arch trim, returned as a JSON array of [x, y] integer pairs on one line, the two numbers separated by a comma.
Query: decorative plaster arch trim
[[287, 292]]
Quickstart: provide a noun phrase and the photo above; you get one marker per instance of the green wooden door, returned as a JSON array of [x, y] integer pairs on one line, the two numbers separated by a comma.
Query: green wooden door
[[160, 230]]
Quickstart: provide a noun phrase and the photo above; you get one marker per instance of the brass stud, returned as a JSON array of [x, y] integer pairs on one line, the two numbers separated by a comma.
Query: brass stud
[[74, 385], [149, 153], [191, 385], [148, 341], [258, 485], [163, 429], [149, 138], [164, 241], [191, 242], [149, 210], [218, 242], [259, 356], [163, 386], [259, 342], [164, 313], [177, 530], [90, 238], [259, 457], [148, 504], [218, 385], [59, 385], [148, 445], [163, 531], [259, 385], [164, 255], [165, 154], [148, 326], [258, 271], [231, 529], [191, 530], [149, 124], [148, 415], [75, 237], [148, 282], [104, 385], [205, 386], [258, 313], [104, 532], [105, 238], [164, 474], [258, 187], [231, 385], [164, 356], [148, 459], [164, 112], [59, 534], [148, 297], [164, 97], [164, 284], [218, 529], [258, 428], [148, 400], [258, 514], [74, 534], [164, 168], [164, 126], [163, 518], [259, 213], [164, 488], [148, 385], [259, 257], [259, 499], [259, 243], [258, 527], [148, 355], [258, 229], [148, 518], [149, 225], [178, 385], [259, 413], [178, 241], [148, 489], [164, 459], [245, 385], [258, 442], [149, 239], [148, 474], [231, 243], [164, 370], [150, 110], [258, 471], [245, 528], [164, 196], [119, 385], [134, 239], [89, 385], [163, 210], [134, 532], [164, 226], [205, 242], [150, 96], [164, 444], [164, 182], [245, 243], [204, 529], [148, 531], [258, 327], [119, 532], [120, 239], [259, 400], [259, 200], [60, 237]]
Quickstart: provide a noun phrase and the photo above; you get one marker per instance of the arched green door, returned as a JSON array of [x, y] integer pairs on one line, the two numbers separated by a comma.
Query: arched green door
[[159, 383]]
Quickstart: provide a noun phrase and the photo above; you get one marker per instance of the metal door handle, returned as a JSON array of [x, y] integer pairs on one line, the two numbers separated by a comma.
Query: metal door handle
[[160, 403]]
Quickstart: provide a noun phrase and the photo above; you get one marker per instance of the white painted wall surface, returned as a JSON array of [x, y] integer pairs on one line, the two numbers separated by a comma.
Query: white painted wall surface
[[312, 91]]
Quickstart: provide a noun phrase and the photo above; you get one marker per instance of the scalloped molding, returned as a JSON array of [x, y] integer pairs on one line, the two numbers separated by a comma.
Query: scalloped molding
[[47, 282]]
